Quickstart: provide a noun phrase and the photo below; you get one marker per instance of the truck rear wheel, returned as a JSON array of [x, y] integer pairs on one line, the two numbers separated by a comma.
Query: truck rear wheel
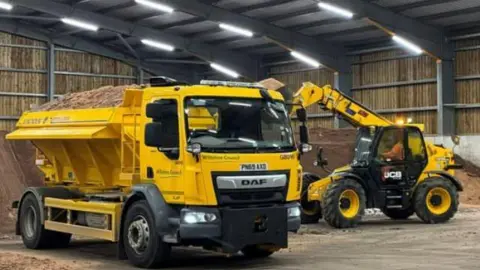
[[34, 234], [436, 200], [344, 203], [255, 251], [311, 210], [144, 248]]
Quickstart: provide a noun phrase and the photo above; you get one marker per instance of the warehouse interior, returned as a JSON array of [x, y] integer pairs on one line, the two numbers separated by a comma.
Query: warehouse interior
[[408, 60]]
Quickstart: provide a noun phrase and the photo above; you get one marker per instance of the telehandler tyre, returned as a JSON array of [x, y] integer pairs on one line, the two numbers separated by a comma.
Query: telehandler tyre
[[436, 200], [398, 214], [144, 248], [344, 203], [34, 234], [311, 211]]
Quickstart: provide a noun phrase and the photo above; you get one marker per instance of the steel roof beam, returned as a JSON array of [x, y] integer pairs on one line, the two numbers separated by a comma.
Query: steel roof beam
[[242, 63], [430, 38], [87, 46], [330, 55]]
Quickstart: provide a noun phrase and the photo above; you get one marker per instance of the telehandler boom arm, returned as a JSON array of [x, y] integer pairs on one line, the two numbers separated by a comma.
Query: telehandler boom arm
[[339, 103]]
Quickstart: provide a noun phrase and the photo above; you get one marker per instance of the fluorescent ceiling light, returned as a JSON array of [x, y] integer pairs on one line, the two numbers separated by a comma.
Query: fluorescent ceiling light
[[237, 30], [225, 70], [312, 62], [338, 10], [6, 6], [407, 44], [158, 6], [158, 45], [80, 24]]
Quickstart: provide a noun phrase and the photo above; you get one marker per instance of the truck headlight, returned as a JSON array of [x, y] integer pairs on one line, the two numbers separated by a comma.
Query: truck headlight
[[198, 217], [294, 211]]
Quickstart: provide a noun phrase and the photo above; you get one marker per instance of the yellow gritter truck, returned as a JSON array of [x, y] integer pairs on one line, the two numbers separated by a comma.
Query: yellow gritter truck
[[212, 165]]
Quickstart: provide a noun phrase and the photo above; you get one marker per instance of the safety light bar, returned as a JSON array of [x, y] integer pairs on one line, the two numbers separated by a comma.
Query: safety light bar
[[225, 70], [236, 29], [407, 44], [157, 6], [231, 84], [158, 45], [312, 62], [6, 6], [338, 10], [80, 24]]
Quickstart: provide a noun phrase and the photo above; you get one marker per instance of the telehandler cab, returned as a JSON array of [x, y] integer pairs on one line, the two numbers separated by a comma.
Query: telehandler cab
[[393, 169]]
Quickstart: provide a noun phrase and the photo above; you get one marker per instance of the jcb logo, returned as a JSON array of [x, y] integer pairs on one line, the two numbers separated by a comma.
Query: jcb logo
[[254, 182], [393, 175]]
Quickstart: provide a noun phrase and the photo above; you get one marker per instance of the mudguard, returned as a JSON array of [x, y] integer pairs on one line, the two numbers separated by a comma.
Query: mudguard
[[448, 176], [40, 193]]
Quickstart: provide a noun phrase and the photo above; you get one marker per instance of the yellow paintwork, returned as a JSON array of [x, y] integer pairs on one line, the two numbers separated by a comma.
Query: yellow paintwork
[[103, 149], [354, 200], [111, 210], [357, 114], [446, 201]]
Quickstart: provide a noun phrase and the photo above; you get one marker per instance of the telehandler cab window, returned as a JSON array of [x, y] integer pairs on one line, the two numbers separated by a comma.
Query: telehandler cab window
[[416, 148], [391, 146], [226, 124], [365, 138]]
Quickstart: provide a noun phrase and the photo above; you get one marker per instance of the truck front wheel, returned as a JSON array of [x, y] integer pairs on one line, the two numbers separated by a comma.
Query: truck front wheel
[[34, 234], [143, 246]]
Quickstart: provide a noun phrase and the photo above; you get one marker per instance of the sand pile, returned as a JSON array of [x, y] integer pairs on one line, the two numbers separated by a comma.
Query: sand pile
[[17, 171], [338, 148], [107, 96]]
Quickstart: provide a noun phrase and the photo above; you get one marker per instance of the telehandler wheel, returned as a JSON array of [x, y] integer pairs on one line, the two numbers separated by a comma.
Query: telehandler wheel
[[34, 234], [344, 203], [436, 200], [256, 251], [144, 248], [398, 214], [311, 211]]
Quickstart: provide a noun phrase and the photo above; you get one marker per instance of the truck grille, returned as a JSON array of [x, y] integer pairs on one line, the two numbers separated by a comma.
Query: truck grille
[[274, 191]]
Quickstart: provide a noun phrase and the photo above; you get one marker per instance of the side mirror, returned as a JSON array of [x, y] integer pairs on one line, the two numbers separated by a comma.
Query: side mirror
[[455, 139], [301, 114], [303, 134], [156, 136], [160, 109]]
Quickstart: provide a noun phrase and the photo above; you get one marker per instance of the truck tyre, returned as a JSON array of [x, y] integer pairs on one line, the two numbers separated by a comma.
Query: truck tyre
[[398, 214], [436, 200], [344, 203], [143, 246], [34, 234], [255, 251], [311, 210]]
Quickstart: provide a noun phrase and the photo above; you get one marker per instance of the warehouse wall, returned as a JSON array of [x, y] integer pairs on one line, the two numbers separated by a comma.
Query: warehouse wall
[[467, 71], [293, 75], [24, 79], [395, 86]]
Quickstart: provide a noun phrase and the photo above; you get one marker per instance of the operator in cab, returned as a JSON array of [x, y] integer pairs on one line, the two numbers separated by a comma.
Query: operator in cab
[[396, 153]]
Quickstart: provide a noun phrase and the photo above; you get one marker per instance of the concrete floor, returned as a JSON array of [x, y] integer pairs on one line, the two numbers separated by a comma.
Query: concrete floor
[[378, 243]]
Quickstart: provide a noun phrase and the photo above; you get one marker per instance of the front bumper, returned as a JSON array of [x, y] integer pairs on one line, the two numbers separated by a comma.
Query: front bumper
[[239, 227]]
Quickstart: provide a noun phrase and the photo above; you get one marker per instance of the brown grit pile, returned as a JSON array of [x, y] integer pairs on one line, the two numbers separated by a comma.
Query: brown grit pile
[[103, 97]]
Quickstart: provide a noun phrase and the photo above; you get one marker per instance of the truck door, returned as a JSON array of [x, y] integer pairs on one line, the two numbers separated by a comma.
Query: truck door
[[165, 167], [389, 163], [416, 155]]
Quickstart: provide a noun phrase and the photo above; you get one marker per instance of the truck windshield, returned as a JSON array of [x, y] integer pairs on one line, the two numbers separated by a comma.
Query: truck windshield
[[363, 146], [238, 125]]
